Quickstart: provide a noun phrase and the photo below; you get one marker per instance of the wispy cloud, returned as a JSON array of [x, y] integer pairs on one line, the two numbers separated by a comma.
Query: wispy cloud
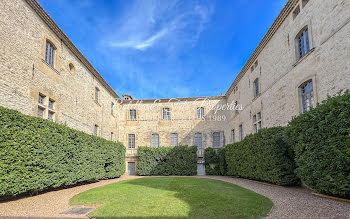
[[156, 23], [141, 44]]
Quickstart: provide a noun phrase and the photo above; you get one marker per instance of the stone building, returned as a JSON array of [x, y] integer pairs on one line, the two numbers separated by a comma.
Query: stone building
[[303, 58]]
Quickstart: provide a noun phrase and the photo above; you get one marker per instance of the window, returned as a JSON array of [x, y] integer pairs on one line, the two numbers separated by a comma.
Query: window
[[155, 140], [256, 87], [256, 64], [296, 12], [252, 68], [41, 99], [306, 96], [166, 113], [305, 2], [236, 107], [96, 130], [200, 113], [97, 95], [303, 43], [112, 109], [216, 140], [50, 53], [233, 136], [257, 122], [241, 132], [71, 68], [51, 104], [133, 114], [174, 139], [112, 136], [198, 140], [131, 141], [50, 116], [40, 112]]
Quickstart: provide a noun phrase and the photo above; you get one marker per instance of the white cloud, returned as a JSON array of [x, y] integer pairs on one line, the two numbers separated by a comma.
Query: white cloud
[[165, 24], [141, 44]]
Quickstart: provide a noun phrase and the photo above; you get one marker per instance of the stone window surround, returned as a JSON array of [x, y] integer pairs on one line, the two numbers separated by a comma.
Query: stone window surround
[[298, 94], [45, 106], [307, 24]]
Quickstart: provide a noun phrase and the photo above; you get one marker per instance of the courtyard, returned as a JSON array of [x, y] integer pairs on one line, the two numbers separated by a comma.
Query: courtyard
[[288, 202]]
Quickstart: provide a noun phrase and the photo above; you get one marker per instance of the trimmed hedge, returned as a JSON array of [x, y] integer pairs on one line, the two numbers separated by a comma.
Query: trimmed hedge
[[216, 158], [165, 161], [321, 140], [263, 156], [37, 154]]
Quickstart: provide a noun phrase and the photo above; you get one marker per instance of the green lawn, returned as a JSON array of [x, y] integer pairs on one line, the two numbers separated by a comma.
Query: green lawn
[[171, 197]]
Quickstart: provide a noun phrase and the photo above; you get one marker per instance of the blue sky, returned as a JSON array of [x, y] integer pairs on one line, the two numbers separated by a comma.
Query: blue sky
[[166, 49]]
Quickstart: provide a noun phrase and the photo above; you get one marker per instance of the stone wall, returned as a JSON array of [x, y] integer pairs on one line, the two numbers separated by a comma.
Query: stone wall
[[25, 74], [280, 74]]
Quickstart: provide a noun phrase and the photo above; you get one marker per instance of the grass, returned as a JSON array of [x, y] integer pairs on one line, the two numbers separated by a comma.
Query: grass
[[174, 197]]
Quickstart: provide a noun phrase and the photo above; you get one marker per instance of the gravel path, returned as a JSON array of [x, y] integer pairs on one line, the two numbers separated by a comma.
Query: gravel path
[[296, 203]]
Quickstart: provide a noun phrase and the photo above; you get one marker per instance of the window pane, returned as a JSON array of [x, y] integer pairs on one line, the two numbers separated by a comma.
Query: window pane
[[174, 139], [198, 140], [40, 113], [216, 139], [155, 140], [131, 141]]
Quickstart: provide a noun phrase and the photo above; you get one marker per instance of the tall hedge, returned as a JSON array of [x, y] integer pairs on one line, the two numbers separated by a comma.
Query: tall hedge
[[263, 156], [215, 161], [37, 154], [321, 140], [165, 161]]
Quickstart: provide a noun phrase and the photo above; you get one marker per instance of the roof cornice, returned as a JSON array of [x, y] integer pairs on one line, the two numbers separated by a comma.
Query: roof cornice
[[57, 30], [173, 100], [270, 33]]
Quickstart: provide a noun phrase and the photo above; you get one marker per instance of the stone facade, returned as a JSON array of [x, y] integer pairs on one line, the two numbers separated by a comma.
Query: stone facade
[[72, 81]]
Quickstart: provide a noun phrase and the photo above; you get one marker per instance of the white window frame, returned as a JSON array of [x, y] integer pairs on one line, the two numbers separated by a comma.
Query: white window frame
[[166, 113], [174, 139], [97, 95], [155, 140], [306, 97], [131, 141], [257, 121], [112, 136], [133, 115], [112, 109], [95, 130], [198, 140], [303, 43], [50, 51], [41, 111], [216, 140], [200, 113]]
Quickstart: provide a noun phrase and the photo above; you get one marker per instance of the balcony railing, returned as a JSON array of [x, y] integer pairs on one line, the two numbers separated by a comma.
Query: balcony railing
[[131, 153], [200, 152]]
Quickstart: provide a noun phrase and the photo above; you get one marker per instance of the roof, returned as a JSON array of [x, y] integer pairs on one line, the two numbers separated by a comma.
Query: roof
[[172, 99], [272, 30], [57, 30]]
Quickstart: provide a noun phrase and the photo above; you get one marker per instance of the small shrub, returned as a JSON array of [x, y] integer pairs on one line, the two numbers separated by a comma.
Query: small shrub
[[37, 154], [321, 140], [263, 156], [165, 161]]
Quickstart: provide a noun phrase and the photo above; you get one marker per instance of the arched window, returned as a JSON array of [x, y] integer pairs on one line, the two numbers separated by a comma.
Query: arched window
[[306, 96], [302, 43], [50, 53]]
